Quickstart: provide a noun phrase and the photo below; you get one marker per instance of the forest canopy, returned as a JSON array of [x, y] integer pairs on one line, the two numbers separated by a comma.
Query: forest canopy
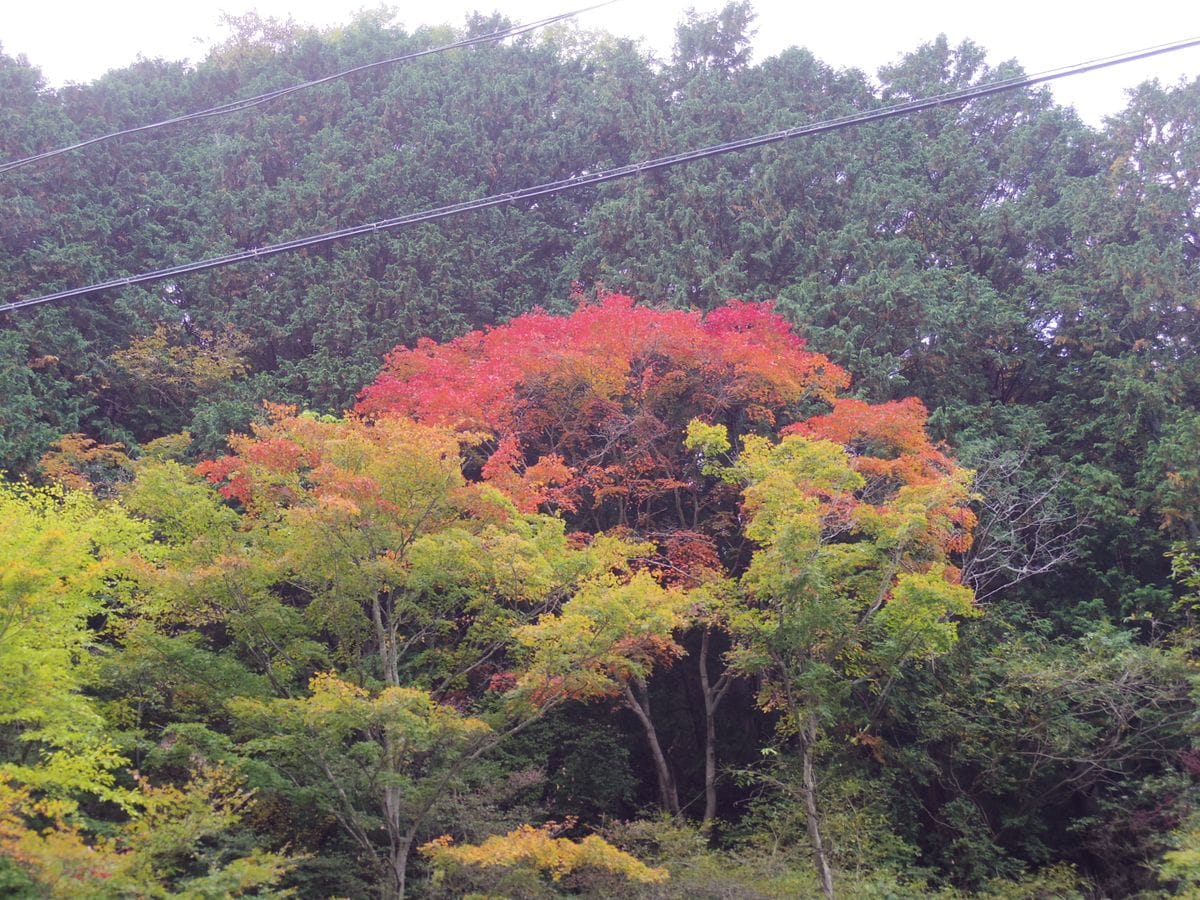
[[820, 518]]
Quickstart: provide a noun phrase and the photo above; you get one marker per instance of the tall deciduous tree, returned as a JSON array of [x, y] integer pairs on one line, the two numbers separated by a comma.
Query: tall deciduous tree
[[855, 515], [586, 414], [61, 557], [385, 599]]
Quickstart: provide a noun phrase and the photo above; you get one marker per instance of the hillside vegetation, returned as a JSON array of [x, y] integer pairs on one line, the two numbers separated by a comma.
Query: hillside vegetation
[[816, 519]]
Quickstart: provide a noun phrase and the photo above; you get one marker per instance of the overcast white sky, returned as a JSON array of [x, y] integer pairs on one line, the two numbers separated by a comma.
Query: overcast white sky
[[78, 40]]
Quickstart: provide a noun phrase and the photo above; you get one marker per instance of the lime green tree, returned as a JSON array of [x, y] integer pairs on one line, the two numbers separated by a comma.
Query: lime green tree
[[855, 515], [72, 814], [60, 569]]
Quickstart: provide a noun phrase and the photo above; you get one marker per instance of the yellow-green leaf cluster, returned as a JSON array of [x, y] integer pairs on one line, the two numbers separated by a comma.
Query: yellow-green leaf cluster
[[61, 564], [613, 628], [537, 848]]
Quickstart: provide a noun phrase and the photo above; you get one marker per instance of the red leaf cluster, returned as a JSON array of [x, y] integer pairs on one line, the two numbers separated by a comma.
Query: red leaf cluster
[[587, 411]]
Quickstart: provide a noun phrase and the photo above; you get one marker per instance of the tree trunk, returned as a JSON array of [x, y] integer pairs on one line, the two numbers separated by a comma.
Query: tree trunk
[[714, 693], [397, 870], [808, 739], [400, 837], [710, 763], [386, 637], [668, 794]]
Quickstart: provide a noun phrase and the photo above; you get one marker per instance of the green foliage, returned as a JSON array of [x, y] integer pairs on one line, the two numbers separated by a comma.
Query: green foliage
[[840, 583], [613, 629], [921, 617], [38, 407], [60, 569], [1180, 866], [1064, 746]]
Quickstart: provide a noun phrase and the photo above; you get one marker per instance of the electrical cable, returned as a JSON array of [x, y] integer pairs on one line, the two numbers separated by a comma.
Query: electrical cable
[[594, 178], [251, 102]]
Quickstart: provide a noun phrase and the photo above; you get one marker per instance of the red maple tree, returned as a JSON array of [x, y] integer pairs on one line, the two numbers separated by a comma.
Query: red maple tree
[[586, 413]]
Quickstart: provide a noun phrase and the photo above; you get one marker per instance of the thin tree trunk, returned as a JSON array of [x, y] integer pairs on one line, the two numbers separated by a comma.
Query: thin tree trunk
[[710, 764], [387, 643], [397, 873], [714, 693], [812, 817], [400, 838], [397, 869], [668, 794]]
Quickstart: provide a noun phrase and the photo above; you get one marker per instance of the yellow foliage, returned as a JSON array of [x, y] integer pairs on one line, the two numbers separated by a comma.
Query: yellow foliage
[[145, 855], [540, 850], [173, 359]]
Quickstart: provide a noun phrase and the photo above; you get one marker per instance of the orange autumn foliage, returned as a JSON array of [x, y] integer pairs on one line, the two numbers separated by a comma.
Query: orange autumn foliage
[[295, 457], [888, 440], [587, 411], [890, 447], [77, 462]]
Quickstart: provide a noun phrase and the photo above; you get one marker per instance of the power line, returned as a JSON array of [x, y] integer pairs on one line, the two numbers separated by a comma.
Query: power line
[[250, 102], [593, 178]]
